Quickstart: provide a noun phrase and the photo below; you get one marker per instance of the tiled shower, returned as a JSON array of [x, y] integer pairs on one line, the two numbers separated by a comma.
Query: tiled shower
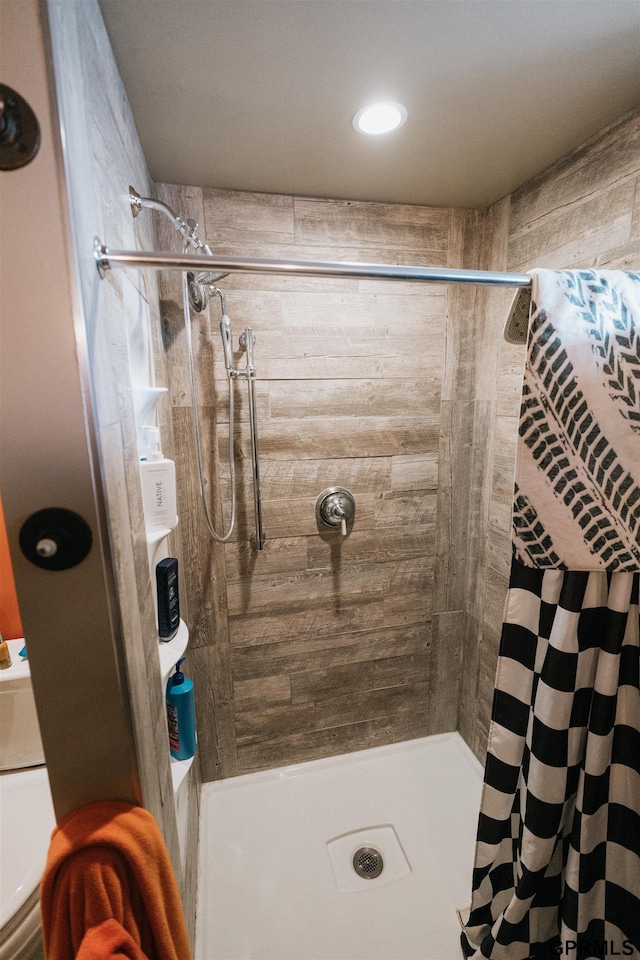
[[405, 393]]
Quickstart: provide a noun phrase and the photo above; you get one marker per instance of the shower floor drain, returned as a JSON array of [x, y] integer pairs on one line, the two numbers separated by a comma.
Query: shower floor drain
[[365, 859], [368, 863]]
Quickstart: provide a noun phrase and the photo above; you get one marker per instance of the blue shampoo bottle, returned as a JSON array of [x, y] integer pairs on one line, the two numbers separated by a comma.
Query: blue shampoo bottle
[[181, 715]]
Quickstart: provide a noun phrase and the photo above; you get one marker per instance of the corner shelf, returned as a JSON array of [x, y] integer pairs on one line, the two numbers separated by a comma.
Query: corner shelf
[[144, 401], [154, 541], [179, 771]]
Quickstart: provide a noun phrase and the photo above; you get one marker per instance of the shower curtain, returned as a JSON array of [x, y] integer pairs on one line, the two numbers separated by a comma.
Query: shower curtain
[[557, 865]]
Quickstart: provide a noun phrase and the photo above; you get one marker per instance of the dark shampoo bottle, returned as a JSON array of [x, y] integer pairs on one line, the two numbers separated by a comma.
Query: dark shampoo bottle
[[168, 600]]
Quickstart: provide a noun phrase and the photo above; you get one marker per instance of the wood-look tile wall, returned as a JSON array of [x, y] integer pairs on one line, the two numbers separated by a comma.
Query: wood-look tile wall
[[322, 645], [584, 211]]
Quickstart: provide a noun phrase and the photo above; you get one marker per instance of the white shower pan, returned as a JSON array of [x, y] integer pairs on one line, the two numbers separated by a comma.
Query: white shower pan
[[276, 878]]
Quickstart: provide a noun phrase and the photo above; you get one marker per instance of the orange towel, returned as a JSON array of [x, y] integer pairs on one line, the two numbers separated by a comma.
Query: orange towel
[[109, 941], [108, 861]]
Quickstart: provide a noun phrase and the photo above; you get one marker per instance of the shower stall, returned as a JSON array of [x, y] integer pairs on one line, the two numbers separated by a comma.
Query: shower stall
[[329, 641]]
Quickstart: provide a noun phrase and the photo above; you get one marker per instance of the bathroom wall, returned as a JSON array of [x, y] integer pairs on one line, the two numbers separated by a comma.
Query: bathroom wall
[[102, 158], [584, 211], [321, 645]]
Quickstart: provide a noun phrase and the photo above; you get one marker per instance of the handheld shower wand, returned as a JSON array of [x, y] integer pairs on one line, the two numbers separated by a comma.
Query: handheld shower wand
[[201, 287], [227, 342], [200, 292]]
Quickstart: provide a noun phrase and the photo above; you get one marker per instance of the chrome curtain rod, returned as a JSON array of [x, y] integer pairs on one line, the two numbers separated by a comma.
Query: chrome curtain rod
[[106, 259]]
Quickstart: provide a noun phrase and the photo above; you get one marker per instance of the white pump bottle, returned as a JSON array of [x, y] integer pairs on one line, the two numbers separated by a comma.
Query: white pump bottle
[[158, 481]]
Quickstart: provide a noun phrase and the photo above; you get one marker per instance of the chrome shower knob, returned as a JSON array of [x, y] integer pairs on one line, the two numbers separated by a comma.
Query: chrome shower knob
[[335, 507]]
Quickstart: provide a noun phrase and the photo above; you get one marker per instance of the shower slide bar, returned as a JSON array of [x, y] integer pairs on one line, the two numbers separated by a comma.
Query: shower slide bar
[[247, 341], [106, 259]]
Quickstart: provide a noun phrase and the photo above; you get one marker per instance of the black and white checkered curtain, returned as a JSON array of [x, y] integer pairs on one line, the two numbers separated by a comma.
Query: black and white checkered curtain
[[557, 867]]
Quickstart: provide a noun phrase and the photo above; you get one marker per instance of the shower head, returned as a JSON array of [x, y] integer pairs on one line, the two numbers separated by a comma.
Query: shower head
[[201, 288], [209, 278], [188, 230], [198, 294]]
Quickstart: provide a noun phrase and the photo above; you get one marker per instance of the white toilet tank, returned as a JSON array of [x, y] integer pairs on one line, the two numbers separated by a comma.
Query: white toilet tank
[[20, 743], [26, 813]]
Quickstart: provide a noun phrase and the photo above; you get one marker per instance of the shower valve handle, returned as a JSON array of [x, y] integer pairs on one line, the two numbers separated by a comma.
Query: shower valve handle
[[335, 507], [339, 514]]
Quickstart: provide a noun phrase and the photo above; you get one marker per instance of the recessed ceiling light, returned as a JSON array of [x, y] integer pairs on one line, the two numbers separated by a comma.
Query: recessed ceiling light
[[380, 117]]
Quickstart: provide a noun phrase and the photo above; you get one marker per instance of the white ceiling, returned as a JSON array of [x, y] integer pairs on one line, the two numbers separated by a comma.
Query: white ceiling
[[259, 94]]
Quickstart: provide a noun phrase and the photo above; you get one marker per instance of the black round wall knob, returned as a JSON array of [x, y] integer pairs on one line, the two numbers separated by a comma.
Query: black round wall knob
[[19, 130], [55, 538]]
